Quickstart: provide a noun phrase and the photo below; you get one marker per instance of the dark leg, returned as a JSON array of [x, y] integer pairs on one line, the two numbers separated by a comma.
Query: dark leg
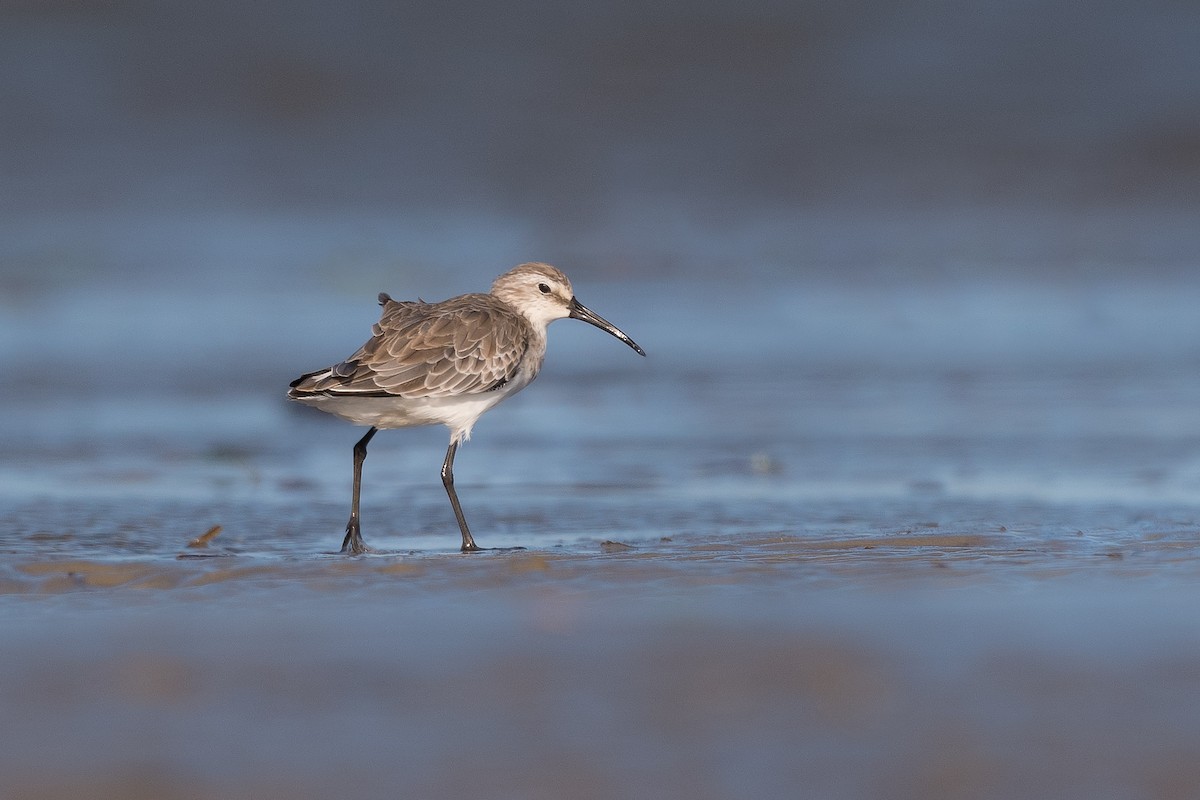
[[353, 543], [468, 545]]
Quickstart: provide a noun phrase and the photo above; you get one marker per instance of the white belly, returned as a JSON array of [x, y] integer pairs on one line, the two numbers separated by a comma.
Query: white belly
[[456, 413]]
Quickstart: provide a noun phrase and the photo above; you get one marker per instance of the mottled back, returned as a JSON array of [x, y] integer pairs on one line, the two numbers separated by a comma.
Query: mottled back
[[466, 345]]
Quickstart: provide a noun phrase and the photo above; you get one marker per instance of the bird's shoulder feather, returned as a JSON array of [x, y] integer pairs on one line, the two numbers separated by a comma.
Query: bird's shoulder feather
[[466, 345]]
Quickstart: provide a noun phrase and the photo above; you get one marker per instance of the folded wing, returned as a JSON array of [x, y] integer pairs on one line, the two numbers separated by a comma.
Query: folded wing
[[467, 345]]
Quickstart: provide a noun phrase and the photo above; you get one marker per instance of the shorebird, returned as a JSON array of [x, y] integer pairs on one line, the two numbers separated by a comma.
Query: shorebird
[[445, 363]]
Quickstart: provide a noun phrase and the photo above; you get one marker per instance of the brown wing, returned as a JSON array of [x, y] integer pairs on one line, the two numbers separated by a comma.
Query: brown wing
[[466, 345]]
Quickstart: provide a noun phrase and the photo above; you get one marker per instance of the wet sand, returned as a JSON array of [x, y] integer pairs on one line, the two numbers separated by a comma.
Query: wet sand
[[730, 636], [900, 664]]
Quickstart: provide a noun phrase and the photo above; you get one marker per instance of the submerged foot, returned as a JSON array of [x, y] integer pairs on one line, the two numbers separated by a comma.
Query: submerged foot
[[353, 544], [474, 548]]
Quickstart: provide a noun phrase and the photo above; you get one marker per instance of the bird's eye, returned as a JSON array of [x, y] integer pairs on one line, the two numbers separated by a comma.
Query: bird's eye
[[543, 288]]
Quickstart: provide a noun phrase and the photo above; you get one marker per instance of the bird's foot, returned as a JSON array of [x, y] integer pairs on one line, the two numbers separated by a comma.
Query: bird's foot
[[474, 548], [353, 544]]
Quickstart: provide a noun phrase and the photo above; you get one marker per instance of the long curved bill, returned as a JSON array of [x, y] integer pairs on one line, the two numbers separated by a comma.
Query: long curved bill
[[580, 311]]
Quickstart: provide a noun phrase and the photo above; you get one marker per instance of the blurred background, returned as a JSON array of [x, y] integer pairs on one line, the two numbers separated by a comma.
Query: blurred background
[[234, 156], [903, 501], [968, 200], [641, 141]]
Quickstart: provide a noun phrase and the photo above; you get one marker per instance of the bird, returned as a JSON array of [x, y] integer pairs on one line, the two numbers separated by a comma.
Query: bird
[[445, 363]]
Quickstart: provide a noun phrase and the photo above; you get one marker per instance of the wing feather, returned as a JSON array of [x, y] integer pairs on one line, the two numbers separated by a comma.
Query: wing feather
[[466, 345]]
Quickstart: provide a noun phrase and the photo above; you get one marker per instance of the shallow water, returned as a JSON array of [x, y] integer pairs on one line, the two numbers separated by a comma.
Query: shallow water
[[808, 551]]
